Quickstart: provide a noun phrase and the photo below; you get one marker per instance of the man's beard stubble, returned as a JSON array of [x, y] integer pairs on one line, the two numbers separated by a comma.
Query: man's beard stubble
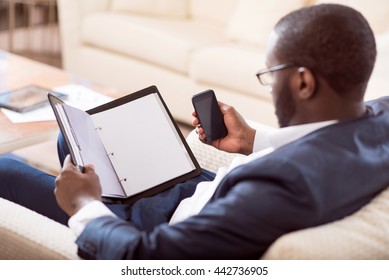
[[284, 106]]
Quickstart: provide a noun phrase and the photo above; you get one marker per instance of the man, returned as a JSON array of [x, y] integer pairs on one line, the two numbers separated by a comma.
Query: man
[[330, 158]]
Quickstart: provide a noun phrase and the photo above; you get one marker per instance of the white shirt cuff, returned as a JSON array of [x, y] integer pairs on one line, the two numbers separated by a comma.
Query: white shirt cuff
[[261, 140], [90, 211]]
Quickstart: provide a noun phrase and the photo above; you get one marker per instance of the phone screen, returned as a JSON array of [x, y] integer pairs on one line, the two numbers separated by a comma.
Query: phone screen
[[209, 115]]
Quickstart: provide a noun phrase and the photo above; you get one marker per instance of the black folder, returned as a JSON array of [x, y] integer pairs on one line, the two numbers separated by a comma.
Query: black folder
[[136, 146]]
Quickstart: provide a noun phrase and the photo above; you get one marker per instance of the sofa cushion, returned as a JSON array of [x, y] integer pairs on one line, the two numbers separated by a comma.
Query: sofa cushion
[[215, 11], [170, 8], [254, 20], [375, 11], [162, 41], [230, 66]]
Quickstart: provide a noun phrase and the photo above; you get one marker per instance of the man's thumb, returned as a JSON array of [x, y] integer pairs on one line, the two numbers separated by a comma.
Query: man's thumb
[[89, 168]]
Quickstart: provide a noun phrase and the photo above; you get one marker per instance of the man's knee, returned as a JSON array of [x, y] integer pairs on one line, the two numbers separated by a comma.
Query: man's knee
[[7, 166], [9, 173]]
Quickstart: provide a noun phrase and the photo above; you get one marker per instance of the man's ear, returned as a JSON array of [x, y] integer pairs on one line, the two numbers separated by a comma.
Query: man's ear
[[305, 83]]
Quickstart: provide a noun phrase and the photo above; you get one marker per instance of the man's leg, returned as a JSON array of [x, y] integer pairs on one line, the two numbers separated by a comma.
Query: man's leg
[[30, 188], [62, 149], [151, 211]]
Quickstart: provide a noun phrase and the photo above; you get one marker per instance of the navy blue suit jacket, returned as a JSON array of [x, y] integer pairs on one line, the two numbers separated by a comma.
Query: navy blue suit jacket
[[319, 178]]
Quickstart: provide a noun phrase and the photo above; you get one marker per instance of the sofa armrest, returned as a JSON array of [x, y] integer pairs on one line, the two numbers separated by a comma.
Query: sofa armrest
[[362, 235], [25, 234], [71, 13], [209, 157]]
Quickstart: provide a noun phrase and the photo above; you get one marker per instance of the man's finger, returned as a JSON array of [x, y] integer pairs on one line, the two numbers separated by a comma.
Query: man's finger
[[195, 122], [89, 168], [68, 164], [223, 107]]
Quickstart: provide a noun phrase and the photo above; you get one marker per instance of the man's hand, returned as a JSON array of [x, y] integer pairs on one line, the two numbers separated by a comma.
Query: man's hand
[[74, 189], [240, 137]]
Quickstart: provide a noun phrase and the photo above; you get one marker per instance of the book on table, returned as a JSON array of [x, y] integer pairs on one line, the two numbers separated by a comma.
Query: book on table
[[133, 142]]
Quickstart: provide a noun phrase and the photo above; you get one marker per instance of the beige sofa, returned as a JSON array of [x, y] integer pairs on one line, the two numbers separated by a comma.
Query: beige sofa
[[24, 234], [226, 66], [186, 46]]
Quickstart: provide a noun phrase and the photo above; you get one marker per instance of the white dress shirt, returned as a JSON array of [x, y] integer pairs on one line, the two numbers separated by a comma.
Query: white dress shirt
[[265, 142]]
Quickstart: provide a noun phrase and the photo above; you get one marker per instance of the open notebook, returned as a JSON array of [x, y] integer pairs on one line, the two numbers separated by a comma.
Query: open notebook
[[134, 143]]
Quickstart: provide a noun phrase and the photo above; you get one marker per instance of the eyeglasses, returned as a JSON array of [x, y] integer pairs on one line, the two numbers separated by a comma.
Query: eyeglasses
[[265, 76]]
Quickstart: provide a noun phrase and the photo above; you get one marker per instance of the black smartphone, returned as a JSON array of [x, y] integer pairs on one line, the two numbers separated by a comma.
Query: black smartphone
[[209, 115]]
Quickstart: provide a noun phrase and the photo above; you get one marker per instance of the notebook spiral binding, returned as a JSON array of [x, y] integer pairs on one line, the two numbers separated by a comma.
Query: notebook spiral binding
[[120, 180]]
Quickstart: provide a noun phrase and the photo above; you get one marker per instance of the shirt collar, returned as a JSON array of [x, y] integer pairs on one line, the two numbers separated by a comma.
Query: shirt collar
[[281, 137]]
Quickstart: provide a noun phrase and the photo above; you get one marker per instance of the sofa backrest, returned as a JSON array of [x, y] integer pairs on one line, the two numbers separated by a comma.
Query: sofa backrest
[[218, 11], [167, 8], [248, 21], [375, 11], [254, 20]]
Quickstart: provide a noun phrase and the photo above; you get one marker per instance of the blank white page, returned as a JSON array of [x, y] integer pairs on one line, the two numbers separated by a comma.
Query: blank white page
[[92, 150], [146, 148]]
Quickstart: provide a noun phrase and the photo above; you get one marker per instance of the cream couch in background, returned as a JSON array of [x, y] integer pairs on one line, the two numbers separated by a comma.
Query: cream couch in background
[[186, 46]]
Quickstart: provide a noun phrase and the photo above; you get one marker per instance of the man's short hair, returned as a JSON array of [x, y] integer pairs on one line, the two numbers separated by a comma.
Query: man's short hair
[[334, 41]]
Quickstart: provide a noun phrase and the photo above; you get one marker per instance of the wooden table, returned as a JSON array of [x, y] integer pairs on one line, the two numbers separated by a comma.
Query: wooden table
[[15, 72]]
